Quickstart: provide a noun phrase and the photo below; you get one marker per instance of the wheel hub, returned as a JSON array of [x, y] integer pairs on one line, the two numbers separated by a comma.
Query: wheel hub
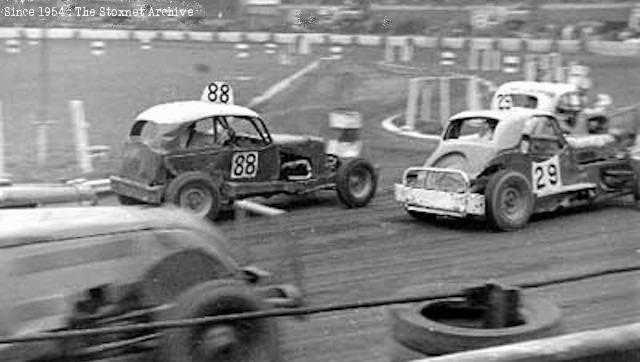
[[359, 183], [217, 340]]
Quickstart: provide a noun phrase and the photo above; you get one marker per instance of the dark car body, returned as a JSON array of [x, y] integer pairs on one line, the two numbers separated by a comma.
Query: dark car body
[[232, 151]]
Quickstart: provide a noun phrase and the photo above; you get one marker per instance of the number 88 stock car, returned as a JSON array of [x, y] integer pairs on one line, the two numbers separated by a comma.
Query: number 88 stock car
[[504, 166], [204, 154]]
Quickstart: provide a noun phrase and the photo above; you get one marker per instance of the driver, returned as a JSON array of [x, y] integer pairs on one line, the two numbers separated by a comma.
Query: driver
[[224, 134], [485, 131]]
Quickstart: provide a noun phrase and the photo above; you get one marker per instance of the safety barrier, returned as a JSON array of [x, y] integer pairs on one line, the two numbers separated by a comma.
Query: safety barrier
[[617, 344]]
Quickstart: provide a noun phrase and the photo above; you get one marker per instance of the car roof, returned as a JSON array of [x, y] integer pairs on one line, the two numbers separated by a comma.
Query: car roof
[[538, 87], [37, 225], [187, 111], [501, 115]]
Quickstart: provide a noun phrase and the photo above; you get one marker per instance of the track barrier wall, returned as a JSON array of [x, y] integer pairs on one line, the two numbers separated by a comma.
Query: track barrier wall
[[617, 344]]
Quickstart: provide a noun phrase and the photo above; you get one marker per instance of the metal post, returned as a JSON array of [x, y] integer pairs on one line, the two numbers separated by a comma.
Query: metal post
[[43, 115], [412, 104]]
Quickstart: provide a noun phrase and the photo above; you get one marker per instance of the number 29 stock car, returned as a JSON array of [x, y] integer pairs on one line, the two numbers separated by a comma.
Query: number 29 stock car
[[202, 155], [504, 166]]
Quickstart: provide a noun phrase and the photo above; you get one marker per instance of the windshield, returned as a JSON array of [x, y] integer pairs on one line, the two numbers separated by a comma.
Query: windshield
[[477, 129]]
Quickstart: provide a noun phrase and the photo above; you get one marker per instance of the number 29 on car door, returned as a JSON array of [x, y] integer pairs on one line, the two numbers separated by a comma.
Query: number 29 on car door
[[244, 165], [545, 176]]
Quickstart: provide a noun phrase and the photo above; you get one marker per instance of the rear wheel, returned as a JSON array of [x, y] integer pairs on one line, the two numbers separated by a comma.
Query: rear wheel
[[356, 183], [234, 341], [195, 192], [509, 200]]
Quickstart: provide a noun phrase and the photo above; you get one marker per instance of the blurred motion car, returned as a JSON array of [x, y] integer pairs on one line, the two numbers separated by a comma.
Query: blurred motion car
[[504, 166], [566, 100], [72, 268], [202, 155]]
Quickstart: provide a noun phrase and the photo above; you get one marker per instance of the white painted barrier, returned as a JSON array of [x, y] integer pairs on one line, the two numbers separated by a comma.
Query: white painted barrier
[[616, 344], [205, 36], [61, 33], [103, 34], [285, 38], [539, 45], [336, 52], [510, 44], [230, 37], [368, 40], [425, 41], [24, 195], [482, 43], [145, 35], [340, 39], [145, 44], [9, 33], [250, 37], [33, 33], [173, 35], [453, 43], [569, 46]]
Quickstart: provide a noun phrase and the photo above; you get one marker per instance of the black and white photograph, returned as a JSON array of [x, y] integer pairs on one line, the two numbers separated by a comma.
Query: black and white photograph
[[319, 180]]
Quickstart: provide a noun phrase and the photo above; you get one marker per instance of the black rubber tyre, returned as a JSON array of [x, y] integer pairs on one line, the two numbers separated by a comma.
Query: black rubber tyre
[[422, 216], [508, 200], [194, 191], [253, 340], [126, 200], [410, 328], [174, 274], [356, 182]]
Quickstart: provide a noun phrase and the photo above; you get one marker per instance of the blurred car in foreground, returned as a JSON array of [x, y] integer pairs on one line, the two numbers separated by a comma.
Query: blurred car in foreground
[[87, 267]]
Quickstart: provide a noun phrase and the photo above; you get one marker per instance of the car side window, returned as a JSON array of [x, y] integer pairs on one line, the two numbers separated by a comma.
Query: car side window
[[542, 137], [200, 134]]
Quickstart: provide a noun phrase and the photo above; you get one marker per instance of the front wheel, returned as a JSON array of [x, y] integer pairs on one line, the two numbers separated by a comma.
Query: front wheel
[[356, 182], [249, 340], [195, 192], [508, 200]]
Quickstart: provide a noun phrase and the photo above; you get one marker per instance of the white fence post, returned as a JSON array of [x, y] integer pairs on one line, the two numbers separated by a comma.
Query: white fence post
[[84, 152], [2, 146], [412, 104], [445, 106]]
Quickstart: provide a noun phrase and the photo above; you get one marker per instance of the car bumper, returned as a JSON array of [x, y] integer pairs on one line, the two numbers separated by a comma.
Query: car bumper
[[137, 190], [440, 202]]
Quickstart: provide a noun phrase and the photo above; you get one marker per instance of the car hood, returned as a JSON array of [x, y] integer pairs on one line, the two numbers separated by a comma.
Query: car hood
[[467, 156], [289, 139]]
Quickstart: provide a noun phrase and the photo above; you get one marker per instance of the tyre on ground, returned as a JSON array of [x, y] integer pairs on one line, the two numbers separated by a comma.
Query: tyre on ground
[[508, 200], [195, 192], [411, 329], [251, 340], [356, 182]]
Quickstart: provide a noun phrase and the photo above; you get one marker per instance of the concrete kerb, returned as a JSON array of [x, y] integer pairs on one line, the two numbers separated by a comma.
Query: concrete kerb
[[389, 125]]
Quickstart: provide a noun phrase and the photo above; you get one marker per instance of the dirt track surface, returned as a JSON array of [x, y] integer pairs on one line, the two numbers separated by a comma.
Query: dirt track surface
[[351, 255]]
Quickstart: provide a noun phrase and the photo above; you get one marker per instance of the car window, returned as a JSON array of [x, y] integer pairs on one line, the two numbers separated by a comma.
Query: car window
[[540, 126], [200, 134], [245, 127], [506, 101], [472, 129]]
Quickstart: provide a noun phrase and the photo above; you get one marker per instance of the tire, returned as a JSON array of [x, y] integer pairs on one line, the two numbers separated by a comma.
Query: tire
[[356, 182], [508, 200], [252, 340], [194, 191], [422, 216], [410, 328], [126, 200], [163, 282]]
